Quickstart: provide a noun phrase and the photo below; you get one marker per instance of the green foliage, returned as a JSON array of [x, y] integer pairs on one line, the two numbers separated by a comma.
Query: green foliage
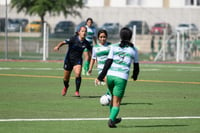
[[53, 7]]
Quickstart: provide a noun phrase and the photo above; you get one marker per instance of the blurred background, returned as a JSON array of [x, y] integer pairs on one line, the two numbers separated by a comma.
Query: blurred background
[[165, 30]]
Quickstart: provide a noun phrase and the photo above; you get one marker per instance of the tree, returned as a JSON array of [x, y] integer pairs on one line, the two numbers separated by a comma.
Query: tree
[[53, 7]]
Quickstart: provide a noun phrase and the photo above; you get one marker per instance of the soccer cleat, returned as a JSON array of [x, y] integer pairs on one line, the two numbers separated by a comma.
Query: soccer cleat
[[111, 124], [64, 91], [77, 94], [118, 120]]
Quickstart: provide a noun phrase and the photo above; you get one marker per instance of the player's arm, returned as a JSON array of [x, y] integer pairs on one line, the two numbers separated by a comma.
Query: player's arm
[[107, 65], [67, 41], [95, 36], [136, 67], [56, 48], [136, 71], [95, 39], [92, 61]]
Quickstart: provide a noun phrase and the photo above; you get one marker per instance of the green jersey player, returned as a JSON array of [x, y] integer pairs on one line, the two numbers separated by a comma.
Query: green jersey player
[[117, 67], [91, 35], [100, 52]]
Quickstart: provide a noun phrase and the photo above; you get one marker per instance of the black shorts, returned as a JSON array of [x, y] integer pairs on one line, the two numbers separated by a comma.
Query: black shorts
[[68, 65]]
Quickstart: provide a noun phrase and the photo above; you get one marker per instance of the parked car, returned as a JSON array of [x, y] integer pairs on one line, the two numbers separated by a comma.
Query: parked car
[[141, 26], [64, 27], [111, 28], [12, 26], [35, 26], [22, 22], [187, 28], [83, 23], [159, 28]]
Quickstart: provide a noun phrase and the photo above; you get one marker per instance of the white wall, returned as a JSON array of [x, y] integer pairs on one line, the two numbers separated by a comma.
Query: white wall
[[117, 3], [152, 3], [3, 2], [95, 3], [177, 3]]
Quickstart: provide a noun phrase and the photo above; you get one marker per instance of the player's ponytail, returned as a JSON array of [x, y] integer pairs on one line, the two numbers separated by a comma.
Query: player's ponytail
[[125, 35]]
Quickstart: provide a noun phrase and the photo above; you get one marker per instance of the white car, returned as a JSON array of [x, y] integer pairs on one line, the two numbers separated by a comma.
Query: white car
[[187, 28]]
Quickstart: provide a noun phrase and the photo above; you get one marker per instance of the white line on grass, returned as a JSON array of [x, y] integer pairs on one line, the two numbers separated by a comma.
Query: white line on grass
[[98, 119], [26, 68]]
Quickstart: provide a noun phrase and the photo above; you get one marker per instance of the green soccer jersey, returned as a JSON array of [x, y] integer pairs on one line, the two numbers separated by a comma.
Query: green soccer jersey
[[122, 59], [100, 53], [91, 33]]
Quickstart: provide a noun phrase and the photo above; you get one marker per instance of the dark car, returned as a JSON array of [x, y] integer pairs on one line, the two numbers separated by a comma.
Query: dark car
[[2, 24], [141, 26], [111, 28], [21, 22], [12, 26], [159, 28], [65, 27]]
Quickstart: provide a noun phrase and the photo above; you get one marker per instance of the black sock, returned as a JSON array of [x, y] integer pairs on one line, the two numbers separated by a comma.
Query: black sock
[[66, 83], [78, 83]]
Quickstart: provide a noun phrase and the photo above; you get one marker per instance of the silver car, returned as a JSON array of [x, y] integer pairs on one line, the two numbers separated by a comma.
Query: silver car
[[187, 28]]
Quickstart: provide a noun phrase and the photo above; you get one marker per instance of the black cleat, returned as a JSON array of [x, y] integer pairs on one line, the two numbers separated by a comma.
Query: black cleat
[[111, 124], [118, 120]]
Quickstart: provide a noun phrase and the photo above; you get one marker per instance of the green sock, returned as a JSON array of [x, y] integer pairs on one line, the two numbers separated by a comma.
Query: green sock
[[110, 107], [114, 112], [86, 66]]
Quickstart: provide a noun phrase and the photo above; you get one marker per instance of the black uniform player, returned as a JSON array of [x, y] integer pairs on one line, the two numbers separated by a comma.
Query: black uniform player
[[73, 59]]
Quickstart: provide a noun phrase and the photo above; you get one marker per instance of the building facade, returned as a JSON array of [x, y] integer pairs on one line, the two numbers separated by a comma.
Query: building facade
[[143, 3]]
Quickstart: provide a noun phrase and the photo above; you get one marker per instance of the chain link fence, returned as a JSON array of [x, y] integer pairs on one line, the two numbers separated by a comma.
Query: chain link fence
[[30, 45]]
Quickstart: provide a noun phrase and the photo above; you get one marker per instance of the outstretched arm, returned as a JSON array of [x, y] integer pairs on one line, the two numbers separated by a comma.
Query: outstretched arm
[[56, 48]]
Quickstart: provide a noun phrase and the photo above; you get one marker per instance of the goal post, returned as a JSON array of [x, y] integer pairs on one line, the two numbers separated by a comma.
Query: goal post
[[45, 41]]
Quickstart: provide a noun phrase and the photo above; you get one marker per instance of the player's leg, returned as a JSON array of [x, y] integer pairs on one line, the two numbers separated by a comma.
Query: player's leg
[[118, 93], [67, 72], [86, 61], [66, 81], [103, 83], [77, 71]]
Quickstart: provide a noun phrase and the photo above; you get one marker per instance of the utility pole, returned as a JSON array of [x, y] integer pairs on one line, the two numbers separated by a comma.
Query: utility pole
[[6, 31]]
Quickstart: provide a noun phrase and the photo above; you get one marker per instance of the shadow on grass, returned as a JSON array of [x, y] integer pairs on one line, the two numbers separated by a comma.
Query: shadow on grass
[[137, 103], [88, 97], [151, 126]]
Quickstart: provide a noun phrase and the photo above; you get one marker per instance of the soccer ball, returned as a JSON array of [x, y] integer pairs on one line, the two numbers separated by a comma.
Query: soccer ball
[[105, 99]]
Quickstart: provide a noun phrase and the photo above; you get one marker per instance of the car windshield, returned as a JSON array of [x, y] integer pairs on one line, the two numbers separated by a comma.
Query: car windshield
[[159, 25], [36, 22], [137, 23], [64, 24], [108, 24], [183, 25]]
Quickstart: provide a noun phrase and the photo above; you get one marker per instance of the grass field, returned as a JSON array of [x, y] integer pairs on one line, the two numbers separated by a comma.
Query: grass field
[[165, 99]]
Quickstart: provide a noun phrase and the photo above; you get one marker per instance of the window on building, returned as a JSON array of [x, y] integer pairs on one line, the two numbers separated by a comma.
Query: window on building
[[192, 2], [198, 2], [85, 2], [133, 2]]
